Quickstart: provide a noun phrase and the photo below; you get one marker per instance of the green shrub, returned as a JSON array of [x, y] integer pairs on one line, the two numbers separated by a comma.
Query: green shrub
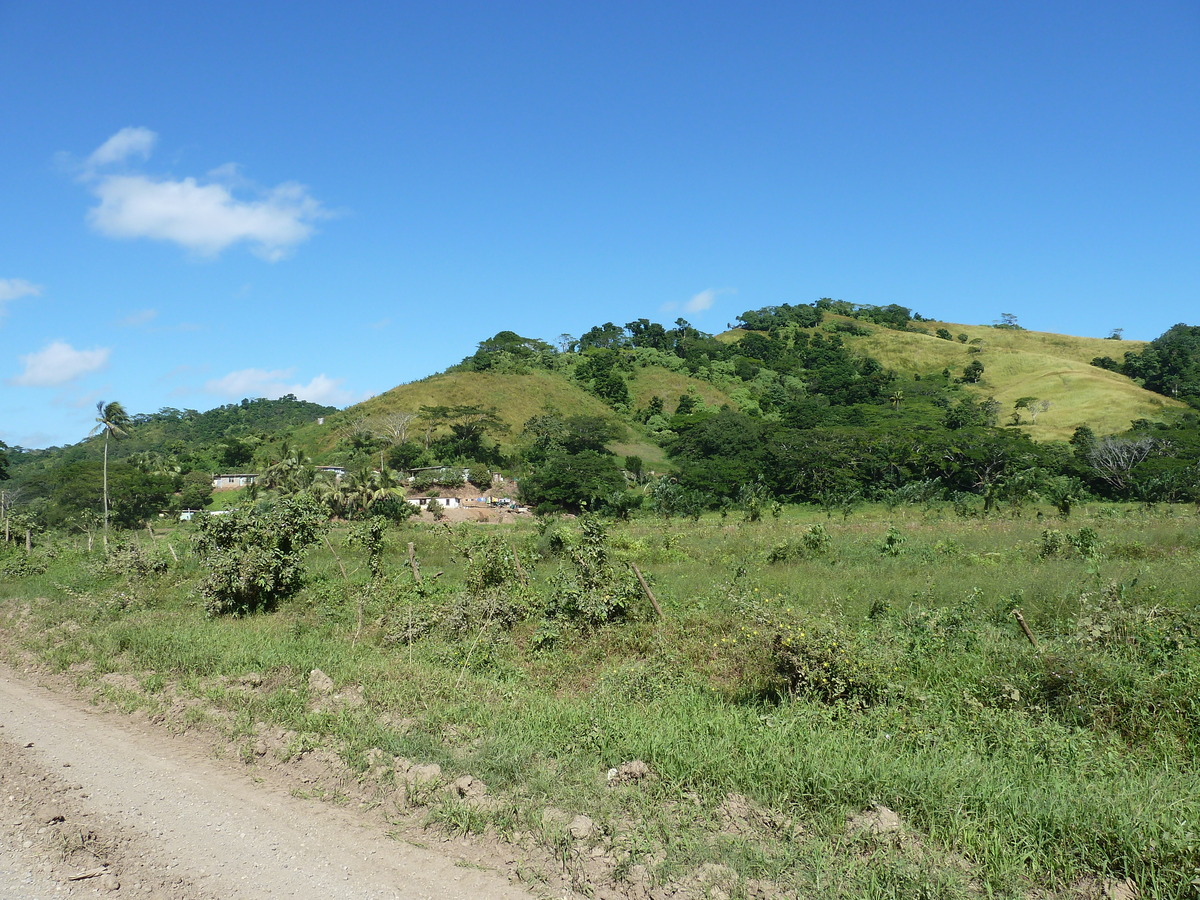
[[132, 560], [824, 662], [593, 591], [254, 558], [814, 541], [893, 542], [1087, 542], [1053, 543]]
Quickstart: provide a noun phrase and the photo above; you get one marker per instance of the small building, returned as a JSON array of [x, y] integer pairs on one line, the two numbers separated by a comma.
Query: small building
[[231, 481], [437, 472], [446, 502], [336, 471]]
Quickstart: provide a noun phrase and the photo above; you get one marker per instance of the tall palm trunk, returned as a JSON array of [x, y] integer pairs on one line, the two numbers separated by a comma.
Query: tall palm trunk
[[106, 492]]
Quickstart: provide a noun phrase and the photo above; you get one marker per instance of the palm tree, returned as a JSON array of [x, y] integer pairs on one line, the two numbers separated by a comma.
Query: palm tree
[[291, 474], [112, 420]]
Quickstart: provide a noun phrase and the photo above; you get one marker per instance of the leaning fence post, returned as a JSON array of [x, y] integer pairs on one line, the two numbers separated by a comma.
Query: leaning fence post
[[646, 588], [1025, 627], [517, 563], [412, 561]]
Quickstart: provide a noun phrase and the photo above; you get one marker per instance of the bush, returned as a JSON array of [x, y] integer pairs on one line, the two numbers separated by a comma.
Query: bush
[[480, 475], [814, 541], [826, 664], [1055, 543], [132, 560], [593, 591], [892, 543], [255, 557]]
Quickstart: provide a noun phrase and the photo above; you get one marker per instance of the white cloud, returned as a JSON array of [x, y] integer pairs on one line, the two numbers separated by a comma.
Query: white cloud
[[274, 383], [15, 288], [698, 302], [705, 299], [204, 216], [141, 317], [58, 364], [125, 143]]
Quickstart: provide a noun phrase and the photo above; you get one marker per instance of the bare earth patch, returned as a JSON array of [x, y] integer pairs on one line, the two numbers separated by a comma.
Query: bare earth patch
[[100, 802]]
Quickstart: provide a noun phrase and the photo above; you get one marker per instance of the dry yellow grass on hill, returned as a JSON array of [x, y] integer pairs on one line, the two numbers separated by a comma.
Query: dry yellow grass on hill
[[1054, 367], [516, 398]]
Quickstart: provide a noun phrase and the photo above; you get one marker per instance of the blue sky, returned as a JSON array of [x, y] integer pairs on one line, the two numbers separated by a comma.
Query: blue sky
[[201, 202]]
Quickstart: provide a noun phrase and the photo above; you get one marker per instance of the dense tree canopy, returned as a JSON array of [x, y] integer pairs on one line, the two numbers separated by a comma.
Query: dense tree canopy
[[1170, 365], [572, 481]]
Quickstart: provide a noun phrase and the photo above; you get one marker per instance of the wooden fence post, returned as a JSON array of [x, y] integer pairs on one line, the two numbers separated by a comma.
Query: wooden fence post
[[646, 588]]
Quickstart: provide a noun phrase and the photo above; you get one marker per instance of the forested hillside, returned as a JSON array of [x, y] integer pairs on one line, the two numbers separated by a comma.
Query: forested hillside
[[161, 460], [828, 403]]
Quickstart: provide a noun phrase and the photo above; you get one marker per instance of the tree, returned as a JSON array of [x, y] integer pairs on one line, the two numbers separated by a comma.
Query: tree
[[1008, 321], [393, 427], [1170, 365], [291, 473], [551, 432], [1032, 405], [112, 421], [505, 349], [1114, 458], [973, 372], [360, 491], [196, 491], [573, 480], [1084, 441]]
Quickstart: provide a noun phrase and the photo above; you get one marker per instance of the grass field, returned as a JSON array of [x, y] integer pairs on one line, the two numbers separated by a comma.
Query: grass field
[[808, 677]]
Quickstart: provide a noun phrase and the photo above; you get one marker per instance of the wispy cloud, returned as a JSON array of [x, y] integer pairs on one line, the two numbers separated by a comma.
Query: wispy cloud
[[59, 363], [15, 289], [705, 299], [275, 383], [125, 143], [204, 216], [139, 318], [699, 302]]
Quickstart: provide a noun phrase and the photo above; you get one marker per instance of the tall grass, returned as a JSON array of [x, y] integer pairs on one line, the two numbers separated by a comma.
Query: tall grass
[[1014, 768]]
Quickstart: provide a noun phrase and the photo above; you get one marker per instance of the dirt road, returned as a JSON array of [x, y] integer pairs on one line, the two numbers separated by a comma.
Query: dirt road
[[91, 802]]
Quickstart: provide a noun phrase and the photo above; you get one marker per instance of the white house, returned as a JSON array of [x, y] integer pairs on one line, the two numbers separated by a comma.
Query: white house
[[233, 480]]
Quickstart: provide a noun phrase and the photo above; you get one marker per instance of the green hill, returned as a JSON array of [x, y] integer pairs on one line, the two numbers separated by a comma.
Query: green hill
[[517, 398], [1019, 363]]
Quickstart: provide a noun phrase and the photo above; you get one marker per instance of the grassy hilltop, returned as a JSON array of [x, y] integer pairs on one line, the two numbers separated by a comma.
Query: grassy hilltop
[[1019, 363]]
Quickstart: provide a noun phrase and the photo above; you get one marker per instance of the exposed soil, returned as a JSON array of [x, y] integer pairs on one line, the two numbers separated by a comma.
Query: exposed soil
[[100, 803]]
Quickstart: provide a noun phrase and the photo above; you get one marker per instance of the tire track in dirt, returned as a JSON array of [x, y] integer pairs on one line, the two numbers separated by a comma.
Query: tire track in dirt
[[152, 816]]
